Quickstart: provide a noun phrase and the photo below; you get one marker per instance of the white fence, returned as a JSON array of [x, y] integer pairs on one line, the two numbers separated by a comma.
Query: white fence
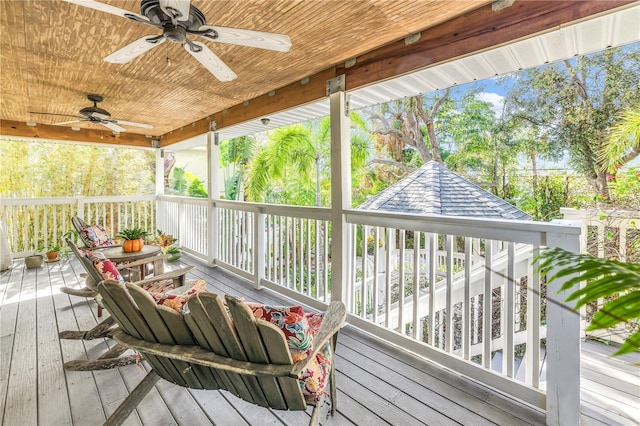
[[36, 223]]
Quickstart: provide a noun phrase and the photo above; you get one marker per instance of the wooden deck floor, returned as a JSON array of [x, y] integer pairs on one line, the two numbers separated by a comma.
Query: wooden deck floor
[[377, 384]]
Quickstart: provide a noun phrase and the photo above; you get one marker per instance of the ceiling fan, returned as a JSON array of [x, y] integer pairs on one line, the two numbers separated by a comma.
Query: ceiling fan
[[177, 19], [98, 116]]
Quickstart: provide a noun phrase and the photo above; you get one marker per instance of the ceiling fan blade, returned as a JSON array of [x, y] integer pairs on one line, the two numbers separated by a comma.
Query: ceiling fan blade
[[69, 122], [103, 7], [178, 9], [113, 126], [135, 49], [131, 123], [51, 113], [211, 62], [260, 39]]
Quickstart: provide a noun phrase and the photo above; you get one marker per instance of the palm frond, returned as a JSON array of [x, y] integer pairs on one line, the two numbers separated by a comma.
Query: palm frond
[[604, 279]]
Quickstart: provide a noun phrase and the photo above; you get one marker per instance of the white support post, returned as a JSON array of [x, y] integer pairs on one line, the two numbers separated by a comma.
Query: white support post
[[258, 248], [213, 189], [340, 193], [160, 214], [563, 342]]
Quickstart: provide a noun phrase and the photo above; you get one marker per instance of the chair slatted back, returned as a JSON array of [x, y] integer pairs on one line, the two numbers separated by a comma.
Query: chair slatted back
[[208, 325], [95, 275]]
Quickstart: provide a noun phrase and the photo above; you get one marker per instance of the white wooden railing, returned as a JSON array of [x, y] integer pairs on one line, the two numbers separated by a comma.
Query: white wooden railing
[[456, 290], [481, 298], [36, 223]]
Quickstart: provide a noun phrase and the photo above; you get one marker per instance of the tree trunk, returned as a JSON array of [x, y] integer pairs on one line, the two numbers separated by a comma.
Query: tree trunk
[[534, 183]]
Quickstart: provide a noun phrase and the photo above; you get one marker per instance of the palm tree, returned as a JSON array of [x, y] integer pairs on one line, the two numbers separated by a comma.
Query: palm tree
[[624, 140], [302, 149]]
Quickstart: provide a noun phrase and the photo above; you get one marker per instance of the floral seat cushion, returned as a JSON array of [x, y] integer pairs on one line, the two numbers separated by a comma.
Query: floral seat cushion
[[95, 236]]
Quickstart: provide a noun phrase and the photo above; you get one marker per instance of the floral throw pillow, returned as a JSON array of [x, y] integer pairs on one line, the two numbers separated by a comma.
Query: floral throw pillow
[[106, 267], [299, 329], [95, 236], [292, 322]]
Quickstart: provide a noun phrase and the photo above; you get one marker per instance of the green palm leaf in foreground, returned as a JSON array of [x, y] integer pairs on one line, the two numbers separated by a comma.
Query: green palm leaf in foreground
[[604, 278]]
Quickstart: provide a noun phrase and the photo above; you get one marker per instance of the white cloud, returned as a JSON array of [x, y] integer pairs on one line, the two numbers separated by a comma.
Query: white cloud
[[493, 98]]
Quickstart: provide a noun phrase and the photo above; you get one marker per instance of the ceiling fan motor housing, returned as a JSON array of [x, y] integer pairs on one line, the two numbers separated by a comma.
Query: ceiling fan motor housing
[[152, 10]]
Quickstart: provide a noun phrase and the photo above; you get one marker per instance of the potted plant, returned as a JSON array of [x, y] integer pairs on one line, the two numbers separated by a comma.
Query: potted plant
[[133, 239], [174, 253], [35, 260], [52, 252]]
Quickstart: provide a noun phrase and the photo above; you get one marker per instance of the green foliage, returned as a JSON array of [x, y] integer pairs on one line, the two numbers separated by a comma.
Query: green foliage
[[574, 103], [544, 198], [197, 189], [623, 144], [605, 279], [131, 233], [45, 169]]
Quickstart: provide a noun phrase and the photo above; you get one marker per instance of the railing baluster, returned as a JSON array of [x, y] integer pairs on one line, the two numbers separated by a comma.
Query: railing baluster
[[363, 290], [401, 283], [376, 272], [508, 326], [308, 292], [415, 322], [390, 235], [466, 303], [449, 299], [326, 260], [433, 258], [532, 356], [487, 302]]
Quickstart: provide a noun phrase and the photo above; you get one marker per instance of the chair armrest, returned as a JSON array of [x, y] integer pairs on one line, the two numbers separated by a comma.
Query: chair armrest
[[333, 321], [143, 261], [166, 276]]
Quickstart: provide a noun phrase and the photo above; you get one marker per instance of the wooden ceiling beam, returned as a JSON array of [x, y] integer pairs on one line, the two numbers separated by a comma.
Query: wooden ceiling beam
[[45, 131], [472, 32]]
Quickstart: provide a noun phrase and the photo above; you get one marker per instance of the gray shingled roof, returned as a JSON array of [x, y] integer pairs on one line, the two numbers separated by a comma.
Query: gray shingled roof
[[434, 189]]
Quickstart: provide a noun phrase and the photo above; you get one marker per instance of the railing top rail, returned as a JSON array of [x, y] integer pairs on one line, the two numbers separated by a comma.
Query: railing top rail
[[597, 213], [506, 230], [30, 201], [321, 213], [184, 200]]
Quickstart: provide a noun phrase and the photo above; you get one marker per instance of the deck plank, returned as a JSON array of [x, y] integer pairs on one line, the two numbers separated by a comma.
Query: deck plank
[[22, 397], [84, 399], [53, 400], [8, 315]]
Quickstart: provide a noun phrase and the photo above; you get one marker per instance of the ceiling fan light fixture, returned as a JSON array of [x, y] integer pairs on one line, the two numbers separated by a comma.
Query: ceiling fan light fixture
[[31, 124]]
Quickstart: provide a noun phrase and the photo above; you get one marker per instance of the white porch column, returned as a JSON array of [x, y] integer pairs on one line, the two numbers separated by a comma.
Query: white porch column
[[563, 341], [160, 214], [340, 189], [213, 189]]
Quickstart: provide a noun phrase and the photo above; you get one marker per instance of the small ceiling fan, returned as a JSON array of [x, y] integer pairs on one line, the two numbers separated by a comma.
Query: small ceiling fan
[[98, 116], [177, 19]]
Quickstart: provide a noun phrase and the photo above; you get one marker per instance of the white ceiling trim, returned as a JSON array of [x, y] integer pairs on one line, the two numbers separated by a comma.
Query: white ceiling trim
[[599, 33]]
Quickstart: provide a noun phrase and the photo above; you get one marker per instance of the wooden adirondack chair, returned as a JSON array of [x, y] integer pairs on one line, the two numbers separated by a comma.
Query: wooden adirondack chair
[[111, 358], [206, 349]]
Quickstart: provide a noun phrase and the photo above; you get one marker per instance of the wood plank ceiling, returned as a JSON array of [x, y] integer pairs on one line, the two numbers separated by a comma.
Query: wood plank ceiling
[[51, 56]]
